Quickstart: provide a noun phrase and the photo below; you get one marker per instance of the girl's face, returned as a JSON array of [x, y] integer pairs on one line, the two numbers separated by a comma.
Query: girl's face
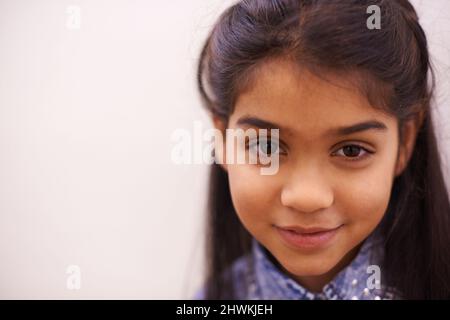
[[327, 178]]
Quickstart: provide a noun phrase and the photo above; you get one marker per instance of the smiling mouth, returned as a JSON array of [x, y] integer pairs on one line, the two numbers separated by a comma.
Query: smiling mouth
[[307, 238]]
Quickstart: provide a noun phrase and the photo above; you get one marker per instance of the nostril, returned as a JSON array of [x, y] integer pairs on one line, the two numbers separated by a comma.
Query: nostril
[[307, 199]]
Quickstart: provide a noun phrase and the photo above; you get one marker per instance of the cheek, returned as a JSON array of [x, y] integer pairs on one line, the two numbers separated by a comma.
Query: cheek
[[253, 195], [364, 197]]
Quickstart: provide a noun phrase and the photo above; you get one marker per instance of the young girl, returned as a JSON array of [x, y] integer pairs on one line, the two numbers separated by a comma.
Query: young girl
[[358, 208]]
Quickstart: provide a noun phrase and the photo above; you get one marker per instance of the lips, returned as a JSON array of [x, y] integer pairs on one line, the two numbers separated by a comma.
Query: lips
[[307, 238], [309, 230]]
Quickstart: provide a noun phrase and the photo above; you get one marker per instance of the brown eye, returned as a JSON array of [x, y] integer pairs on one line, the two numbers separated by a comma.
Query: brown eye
[[268, 147], [265, 147], [353, 152]]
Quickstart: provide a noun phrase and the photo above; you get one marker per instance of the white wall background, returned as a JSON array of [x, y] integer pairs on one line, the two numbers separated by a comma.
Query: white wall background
[[86, 117]]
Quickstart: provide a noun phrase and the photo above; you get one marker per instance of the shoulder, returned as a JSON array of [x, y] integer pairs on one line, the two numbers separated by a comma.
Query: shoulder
[[239, 273]]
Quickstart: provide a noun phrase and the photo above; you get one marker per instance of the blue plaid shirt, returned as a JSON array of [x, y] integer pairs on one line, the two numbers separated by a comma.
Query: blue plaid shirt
[[255, 277]]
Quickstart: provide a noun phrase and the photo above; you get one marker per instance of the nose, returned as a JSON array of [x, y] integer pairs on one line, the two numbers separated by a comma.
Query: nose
[[307, 191]]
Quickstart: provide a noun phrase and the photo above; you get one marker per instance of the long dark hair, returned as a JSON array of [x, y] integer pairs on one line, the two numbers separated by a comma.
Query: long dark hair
[[391, 66]]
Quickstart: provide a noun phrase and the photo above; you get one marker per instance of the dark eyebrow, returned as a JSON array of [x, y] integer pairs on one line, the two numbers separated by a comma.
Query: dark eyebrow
[[340, 131], [259, 123], [358, 127]]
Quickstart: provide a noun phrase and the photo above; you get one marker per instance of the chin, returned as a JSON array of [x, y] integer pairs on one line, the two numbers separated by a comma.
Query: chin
[[309, 268]]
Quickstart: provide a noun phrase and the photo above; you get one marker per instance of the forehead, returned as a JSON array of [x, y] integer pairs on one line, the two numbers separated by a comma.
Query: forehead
[[286, 94]]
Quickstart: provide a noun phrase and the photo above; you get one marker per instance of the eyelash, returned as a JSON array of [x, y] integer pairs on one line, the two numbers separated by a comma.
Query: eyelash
[[367, 153], [256, 142]]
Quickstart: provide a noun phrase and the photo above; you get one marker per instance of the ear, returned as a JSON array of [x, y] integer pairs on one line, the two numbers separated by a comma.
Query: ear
[[219, 152], [406, 147]]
